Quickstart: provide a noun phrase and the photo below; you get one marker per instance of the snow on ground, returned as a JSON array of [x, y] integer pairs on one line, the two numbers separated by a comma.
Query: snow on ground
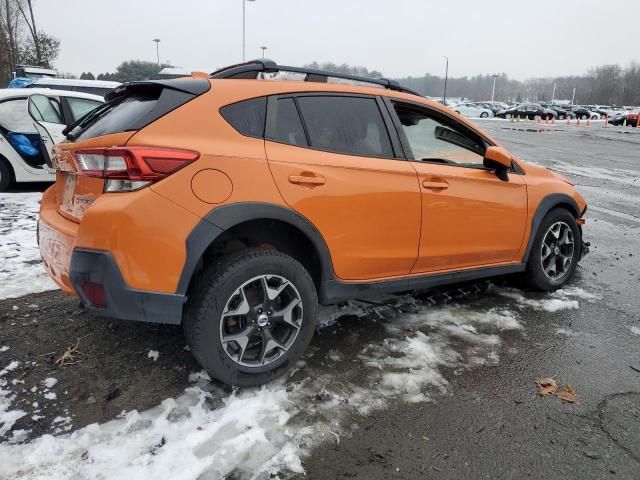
[[635, 330], [257, 433], [21, 270]]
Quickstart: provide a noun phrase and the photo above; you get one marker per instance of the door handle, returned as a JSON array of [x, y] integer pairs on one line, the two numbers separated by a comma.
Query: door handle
[[308, 180], [435, 185]]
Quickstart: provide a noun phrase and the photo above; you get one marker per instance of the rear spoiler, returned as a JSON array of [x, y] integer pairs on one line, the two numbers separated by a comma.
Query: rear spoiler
[[194, 86]]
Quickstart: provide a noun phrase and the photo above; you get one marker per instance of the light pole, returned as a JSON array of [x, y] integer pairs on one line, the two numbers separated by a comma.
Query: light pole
[[157, 40], [446, 77], [493, 92], [573, 97], [553, 95], [244, 17], [263, 50]]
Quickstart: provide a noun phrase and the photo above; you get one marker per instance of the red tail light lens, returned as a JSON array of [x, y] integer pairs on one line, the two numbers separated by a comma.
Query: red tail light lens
[[132, 168], [95, 294]]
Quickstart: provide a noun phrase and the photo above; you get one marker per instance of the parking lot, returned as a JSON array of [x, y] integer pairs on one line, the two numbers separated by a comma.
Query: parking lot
[[424, 385]]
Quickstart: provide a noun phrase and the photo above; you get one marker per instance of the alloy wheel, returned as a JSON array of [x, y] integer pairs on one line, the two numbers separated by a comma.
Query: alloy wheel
[[261, 321], [557, 250]]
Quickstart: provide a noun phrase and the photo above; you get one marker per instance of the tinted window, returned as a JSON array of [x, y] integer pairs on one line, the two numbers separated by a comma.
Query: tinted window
[[247, 117], [79, 107], [134, 110], [14, 116], [351, 125], [433, 141], [288, 126]]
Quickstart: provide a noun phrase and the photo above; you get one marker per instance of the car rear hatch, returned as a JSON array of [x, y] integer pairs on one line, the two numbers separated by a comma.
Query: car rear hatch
[[95, 159]]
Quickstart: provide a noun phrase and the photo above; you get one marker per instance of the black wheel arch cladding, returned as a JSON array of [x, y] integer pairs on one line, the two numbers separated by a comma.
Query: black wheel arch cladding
[[547, 204], [225, 217]]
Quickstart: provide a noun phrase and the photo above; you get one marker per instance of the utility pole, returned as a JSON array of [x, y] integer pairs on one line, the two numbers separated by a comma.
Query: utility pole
[[493, 92], [446, 77], [157, 40], [244, 29], [573, 97], [263, 49], [553, 95]]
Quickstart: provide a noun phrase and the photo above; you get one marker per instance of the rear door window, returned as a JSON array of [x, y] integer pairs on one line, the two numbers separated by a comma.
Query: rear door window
[[288, 126], [343, 124]]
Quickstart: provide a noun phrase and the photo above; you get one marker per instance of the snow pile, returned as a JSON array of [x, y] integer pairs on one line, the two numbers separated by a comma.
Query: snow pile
[[564, 299], [21, 271], [180, 439], [635, 330], [8, 417], [153, 354]]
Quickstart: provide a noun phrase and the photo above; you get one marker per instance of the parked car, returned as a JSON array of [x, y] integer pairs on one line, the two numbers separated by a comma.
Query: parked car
[[528, 110], [561, 113], [21, 155], [620, 118], [96, 87], [584, 113], [473, 110], [233, 205]]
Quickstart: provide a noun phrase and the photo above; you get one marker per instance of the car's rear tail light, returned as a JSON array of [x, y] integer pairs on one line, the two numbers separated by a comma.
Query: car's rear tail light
[[127, 169]]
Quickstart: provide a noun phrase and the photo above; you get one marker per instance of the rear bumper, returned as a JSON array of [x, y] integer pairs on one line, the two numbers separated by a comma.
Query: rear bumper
[[121, 301]]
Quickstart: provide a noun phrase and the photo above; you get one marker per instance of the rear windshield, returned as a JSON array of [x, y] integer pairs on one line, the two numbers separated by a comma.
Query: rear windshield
[[133, 111]]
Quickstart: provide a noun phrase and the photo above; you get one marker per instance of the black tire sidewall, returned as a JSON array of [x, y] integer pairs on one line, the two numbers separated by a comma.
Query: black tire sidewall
[[535, 274], [207, 307], [5, 176]]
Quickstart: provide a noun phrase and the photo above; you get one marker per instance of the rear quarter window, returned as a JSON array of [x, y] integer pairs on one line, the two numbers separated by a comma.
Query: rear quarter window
[[247, 117]]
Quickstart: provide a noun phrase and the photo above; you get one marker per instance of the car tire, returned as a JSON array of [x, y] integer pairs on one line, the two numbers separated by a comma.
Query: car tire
[[6, 176], [234, 284], [562, 117], [484, 115], [583, 117], [508, 116], [553, 265]]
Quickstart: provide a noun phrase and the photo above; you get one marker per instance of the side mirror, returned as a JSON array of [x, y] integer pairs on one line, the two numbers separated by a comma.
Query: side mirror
[[498, 159]]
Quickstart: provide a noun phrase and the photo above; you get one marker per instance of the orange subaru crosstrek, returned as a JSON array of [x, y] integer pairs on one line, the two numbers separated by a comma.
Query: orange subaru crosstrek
[[234, 204]]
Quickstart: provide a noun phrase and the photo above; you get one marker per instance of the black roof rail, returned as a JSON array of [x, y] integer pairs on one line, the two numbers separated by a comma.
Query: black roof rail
[[252, 68]]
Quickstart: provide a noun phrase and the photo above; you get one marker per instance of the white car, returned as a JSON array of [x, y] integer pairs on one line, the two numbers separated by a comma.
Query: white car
[[21, 155], [473, 110]]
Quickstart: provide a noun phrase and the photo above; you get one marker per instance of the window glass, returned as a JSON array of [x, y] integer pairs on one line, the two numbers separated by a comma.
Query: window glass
[[46, 109], [351, 125], [14, 116], [433, 141], [288, 127], [80, 107], [247, 117]]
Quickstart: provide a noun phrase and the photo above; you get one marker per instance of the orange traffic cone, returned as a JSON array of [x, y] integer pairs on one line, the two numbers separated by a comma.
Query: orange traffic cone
[[553, 120], [568, 120], [537, 118], [606, 121], [577, 121], [588, 122]]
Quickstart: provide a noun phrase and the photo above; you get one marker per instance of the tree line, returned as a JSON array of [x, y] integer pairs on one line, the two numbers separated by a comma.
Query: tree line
[[21, 42], [602, 85]]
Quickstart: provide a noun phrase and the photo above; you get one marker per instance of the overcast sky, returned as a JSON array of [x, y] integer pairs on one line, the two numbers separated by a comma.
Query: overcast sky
[[523, 38]]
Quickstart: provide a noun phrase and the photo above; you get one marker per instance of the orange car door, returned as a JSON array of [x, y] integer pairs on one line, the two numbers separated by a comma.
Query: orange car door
[[470, 217], [335, 163]]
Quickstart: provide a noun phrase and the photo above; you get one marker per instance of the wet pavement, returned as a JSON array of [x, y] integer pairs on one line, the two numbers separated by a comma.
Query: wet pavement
[[431, 385], [491, 423]]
